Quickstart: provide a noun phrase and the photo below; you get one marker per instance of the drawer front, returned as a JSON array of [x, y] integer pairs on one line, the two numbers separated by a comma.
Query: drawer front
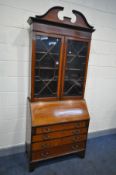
[[58, 127], [58, 142], [57, 151], [58, 134]]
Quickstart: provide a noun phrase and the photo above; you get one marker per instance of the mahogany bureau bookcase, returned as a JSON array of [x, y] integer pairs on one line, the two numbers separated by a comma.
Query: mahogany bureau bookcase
[[58, 119]]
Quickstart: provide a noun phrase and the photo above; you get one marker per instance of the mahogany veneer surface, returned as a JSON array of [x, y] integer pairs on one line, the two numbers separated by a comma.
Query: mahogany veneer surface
[[47, 113], [57, 151], [58, 119], [58, 142], [60, 127], [59, 134]]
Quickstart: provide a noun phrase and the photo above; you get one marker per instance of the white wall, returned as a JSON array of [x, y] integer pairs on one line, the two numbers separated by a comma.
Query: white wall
[[14, 63]]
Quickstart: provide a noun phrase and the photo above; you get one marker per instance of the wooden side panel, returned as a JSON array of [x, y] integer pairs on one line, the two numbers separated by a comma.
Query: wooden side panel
[[28, 129]]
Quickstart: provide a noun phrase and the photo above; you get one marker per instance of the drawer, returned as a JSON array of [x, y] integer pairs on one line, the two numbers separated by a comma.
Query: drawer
[[58, 127], [58, 134], [58, 142], [58, 151]]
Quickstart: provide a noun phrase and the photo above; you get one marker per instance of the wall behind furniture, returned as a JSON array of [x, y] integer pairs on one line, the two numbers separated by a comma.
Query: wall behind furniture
[[14, 63]]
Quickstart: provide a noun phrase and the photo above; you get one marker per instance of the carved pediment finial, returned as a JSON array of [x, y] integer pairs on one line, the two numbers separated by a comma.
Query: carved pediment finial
[[51, 16]]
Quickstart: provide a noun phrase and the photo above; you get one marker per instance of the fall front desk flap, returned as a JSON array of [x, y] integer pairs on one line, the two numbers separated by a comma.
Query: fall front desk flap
[[45, 113]]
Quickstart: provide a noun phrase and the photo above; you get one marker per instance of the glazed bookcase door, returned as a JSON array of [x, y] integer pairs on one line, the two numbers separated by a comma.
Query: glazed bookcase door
[[75, 67], [47, 61]]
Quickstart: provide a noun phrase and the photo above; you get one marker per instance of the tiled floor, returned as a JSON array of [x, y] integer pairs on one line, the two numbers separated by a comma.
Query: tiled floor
[[100, 159]]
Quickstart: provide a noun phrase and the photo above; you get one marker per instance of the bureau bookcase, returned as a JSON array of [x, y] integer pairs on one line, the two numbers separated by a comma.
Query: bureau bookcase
[[58, 119]]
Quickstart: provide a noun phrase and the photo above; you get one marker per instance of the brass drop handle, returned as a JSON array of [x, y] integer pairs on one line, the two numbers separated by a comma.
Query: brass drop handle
[[45, 137], [46, 130], [44, 146], [74, 139], [44, 154], [76, 132], [78, 124], [75, 147]]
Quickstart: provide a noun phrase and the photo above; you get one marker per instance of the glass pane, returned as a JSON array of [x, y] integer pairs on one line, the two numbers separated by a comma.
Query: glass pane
[[46, 66], [75, 68]]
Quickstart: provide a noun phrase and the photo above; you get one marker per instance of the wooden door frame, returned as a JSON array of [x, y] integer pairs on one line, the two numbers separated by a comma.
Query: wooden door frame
[[76, 38], [33, 67]]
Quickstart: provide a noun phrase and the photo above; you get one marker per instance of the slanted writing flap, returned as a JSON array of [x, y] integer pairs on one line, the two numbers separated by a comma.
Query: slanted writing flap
[[47, 113]]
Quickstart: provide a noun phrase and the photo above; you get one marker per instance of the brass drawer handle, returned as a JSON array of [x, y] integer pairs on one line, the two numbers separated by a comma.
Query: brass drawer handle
[[76, 132], [44, 146], [74, 147], [45, 137], [44, 154], [46, 130], [74, 139], [78, 138], [78, 124]]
